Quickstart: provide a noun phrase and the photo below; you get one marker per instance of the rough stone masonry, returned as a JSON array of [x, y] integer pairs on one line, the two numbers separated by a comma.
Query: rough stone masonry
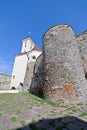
[[64, 74], [5, 81], [82, 42]]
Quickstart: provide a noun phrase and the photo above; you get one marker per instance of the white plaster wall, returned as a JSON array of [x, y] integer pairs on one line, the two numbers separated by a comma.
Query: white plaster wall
[[19, 70], [27, 45], [32, 54]]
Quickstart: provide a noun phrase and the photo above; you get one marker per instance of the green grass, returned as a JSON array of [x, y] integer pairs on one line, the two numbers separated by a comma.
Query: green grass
[[18, 111], [0, 114], [73, 110], [16, 105], [42, 101], [70, 113], [33, 126], [13, 119], [22, 122], [32, 121], [53, 113], [79, 104], [66, 115], [84, 114], [28, 97]]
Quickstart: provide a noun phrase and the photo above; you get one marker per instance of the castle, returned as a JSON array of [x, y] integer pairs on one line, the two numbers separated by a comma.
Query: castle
[[59, 71]]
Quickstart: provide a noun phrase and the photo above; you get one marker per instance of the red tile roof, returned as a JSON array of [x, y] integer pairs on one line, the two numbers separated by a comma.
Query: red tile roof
[[36, 48]]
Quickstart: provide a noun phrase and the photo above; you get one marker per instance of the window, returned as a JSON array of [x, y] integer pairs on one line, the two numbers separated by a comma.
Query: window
[[13, 88], [13, 76], [33, 57], [21, 84], [25, 45]]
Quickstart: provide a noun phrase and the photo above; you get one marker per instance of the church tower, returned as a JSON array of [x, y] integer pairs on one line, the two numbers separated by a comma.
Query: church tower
[[27, 45], [22, 59]]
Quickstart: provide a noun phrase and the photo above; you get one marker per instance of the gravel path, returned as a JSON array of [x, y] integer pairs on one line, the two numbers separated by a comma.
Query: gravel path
[[24, 111]]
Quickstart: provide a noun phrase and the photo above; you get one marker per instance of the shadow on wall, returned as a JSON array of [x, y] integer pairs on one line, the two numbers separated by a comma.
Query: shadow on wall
[[65, 123], [36, 86]]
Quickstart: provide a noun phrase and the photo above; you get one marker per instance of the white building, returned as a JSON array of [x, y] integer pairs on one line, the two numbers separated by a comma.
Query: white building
[[28, 55]]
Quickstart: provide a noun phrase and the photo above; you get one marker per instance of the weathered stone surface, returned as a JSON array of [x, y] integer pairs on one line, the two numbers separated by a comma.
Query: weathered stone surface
[[28, 76], [5, 81], [37, 80], [82, 42], [64, 78]]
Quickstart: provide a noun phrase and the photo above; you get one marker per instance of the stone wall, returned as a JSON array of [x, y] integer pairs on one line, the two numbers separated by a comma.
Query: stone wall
[[5, 81], [37, 81], [64, 78], [82, 42], [63, 68], [28, 76], [60, 73]]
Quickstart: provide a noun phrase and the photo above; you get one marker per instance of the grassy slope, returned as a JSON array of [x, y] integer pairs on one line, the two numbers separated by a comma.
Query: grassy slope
[[16, 109]]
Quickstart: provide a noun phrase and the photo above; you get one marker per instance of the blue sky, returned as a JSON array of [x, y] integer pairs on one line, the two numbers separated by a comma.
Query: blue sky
[[18, 17]]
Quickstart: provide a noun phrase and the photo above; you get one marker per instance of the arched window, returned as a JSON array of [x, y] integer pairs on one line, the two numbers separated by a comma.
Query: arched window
[[13, 76], [33, 57], [25, 45]]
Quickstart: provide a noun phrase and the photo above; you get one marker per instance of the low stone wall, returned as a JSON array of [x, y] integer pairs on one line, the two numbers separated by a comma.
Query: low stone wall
[[8, 91], [5, 81]]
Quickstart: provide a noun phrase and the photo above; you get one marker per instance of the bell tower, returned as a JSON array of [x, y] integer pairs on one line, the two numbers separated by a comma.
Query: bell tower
[[27, 45]]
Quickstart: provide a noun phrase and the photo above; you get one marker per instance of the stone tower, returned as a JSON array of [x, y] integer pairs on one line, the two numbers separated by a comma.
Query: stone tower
[[64, 78], [82, 42], [27, 45]]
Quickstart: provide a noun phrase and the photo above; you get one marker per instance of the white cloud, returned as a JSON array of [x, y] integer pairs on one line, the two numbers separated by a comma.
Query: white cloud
[[5, 66]]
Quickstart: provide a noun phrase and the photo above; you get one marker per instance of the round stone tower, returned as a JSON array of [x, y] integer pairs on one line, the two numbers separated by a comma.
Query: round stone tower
[[82, 42], [64, 78]]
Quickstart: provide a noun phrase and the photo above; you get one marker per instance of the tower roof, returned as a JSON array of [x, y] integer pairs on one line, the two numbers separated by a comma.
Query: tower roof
[[28, 37], [36, 48]]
